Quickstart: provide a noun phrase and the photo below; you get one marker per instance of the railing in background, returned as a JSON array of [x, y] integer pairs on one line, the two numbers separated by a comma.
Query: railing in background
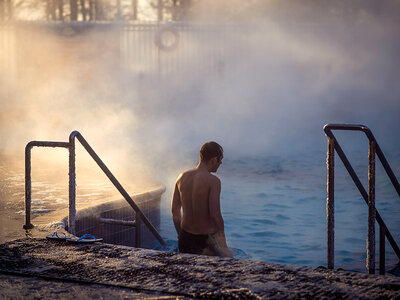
[[140, 217], [368, 197], [176, 48]]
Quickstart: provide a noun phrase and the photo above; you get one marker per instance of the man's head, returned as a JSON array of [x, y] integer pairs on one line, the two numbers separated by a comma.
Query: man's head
[[211, 153]]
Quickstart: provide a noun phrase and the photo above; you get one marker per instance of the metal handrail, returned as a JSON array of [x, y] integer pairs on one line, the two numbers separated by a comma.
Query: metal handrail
[[28, 180], [72, 184], [368, 197]]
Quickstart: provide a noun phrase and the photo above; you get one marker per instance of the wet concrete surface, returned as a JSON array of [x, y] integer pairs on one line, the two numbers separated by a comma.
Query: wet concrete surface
[[30, 287], [121, 270]]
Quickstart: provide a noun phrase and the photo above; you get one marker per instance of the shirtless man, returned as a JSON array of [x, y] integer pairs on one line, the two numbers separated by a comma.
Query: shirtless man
[[200, 228]]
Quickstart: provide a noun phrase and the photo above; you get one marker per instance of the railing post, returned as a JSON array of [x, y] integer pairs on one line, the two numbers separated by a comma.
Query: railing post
[[330, 209], [28, 190], [382, 233], [371, 209], [138, 236], [72, 186]]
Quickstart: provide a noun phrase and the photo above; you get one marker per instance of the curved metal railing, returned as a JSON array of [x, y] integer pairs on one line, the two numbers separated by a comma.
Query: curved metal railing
[[369, 197], [140, 217]]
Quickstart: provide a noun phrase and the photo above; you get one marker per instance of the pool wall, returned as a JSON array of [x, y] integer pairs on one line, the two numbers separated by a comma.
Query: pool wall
[[88, 219]]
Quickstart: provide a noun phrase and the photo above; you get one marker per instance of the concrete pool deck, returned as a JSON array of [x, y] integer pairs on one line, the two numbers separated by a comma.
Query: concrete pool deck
[[35, 268]]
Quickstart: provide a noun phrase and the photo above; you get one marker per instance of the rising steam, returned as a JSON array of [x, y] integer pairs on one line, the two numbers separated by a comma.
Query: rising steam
[[271, 87]]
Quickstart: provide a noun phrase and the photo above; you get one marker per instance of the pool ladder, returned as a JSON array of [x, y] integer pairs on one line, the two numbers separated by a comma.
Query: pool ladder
[[139, 216], [369, 197]]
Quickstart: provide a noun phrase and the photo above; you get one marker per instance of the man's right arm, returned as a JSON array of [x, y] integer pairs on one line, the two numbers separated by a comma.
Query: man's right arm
[[214, 204], [216, 216]]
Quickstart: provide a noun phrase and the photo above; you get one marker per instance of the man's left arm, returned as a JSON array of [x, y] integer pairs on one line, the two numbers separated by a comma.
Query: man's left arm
[[176, 206]]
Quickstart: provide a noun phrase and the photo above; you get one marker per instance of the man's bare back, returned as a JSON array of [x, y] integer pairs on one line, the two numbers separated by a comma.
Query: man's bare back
[[199, 190], [197, 193]]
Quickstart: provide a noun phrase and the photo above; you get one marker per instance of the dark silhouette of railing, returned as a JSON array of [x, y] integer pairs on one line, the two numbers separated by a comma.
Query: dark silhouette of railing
[[140, 217], [368, 197]]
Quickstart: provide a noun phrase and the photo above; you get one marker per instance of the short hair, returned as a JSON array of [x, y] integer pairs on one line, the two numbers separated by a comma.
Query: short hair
[[210, 150]]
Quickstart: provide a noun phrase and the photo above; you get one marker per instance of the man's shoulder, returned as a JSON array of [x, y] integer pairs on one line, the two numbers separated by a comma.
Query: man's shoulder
[[214, 179], [205, 176], [185, 174]]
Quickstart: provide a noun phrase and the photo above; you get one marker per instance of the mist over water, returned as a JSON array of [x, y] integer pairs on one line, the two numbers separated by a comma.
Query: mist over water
[[262, 88], [278, 85]]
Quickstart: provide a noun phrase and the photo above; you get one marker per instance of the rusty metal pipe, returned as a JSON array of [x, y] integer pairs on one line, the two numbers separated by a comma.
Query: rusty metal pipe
[[371, 209], [71, 187], [28, 190], [383, 228], [328, 130], [28, 177], [330, 204], [381, 250]]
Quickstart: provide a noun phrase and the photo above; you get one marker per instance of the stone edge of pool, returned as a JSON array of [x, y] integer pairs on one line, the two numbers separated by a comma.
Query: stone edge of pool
[[165, 274]]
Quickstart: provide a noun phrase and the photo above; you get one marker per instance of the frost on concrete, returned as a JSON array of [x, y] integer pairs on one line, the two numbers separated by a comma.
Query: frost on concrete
[[190, 276]]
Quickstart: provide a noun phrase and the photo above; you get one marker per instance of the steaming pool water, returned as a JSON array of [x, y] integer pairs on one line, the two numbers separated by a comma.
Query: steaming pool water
[[275, 210], [273, 207]]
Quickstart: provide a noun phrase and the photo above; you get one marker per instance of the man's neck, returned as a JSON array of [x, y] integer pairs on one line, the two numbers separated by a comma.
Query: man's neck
[[202, 166]]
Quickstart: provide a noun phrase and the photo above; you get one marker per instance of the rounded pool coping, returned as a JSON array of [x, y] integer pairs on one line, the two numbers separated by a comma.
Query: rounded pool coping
[[50, 222]]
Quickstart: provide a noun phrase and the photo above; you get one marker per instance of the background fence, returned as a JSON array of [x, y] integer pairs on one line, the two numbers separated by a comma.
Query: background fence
[[171, 49], [163, 50]]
